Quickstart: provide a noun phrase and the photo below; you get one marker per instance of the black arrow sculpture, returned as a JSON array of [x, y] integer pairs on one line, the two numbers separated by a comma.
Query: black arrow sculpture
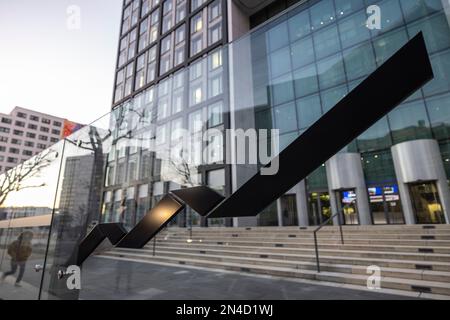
[[393, 82]]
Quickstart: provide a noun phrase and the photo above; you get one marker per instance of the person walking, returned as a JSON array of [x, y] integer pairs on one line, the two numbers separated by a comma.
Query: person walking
[[19, 251]]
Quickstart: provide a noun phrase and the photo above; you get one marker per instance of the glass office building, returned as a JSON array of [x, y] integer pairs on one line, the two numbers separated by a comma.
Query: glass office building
[[299, 59], [277, 65], [311, 56]]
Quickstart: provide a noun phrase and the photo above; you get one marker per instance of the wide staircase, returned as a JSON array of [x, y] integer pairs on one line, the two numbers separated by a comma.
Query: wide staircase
[[411, 258]]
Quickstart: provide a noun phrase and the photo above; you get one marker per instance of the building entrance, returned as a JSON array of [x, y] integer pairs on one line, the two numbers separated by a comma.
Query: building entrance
[[346, 204], [385, 205], [319, 208], [289, 210], [426, 203]]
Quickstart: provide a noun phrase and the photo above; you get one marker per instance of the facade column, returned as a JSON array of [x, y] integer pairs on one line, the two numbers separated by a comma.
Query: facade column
[[420, 161], [345, 172], [279, 213], [302, 203]]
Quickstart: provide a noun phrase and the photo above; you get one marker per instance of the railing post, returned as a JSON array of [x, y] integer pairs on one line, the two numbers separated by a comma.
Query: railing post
[[317, 252], [154, 246], [340, 227]]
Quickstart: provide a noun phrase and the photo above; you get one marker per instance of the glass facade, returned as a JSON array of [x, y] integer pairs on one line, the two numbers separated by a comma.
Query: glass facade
[[310, 57], [167, 129]]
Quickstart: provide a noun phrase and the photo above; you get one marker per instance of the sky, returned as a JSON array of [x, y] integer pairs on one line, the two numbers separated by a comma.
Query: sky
[[51, 64]]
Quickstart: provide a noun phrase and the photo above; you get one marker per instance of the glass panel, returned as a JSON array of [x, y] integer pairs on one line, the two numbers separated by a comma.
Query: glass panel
[[409, 122], [27, 199], [426, 203]]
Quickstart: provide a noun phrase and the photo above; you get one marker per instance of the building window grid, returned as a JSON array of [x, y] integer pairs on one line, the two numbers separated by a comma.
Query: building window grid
[[179, 87], [176, 56], [345, 82]]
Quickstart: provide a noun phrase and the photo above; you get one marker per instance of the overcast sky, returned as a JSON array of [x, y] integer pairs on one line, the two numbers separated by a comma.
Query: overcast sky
[[48, 67]]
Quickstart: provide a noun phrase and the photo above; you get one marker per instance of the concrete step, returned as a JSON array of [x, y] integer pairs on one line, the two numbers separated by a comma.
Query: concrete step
[[350, 245], [295, 236], [387, 282], [294, 255], [426, 255], [427, 230], [291, 262]]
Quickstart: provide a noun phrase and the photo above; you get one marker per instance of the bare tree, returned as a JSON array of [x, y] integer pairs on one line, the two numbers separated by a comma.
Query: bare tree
[[16, 179]]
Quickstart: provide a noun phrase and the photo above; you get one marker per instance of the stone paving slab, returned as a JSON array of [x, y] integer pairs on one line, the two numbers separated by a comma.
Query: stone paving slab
[[115, 279]]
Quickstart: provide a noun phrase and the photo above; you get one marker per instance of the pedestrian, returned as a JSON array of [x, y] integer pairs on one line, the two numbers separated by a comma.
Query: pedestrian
[[19, 251]]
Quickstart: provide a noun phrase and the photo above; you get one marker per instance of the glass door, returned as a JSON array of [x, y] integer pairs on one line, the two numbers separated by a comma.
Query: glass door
[[319, 208], [385, 205], [289, 210], [347, 204], [426, 203]]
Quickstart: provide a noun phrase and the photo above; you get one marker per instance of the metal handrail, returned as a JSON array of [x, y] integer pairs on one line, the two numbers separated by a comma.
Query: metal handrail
[[318, 229]]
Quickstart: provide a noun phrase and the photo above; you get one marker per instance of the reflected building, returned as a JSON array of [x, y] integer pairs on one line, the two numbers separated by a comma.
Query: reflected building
[[226, 64]]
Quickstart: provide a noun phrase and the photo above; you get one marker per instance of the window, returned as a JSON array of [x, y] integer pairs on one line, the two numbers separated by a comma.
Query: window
[[127, 47], [326, 42], [359, 61], [195, 4], [353, 30], [32, 126], [180, 35], [168, 16], [20, 124], [197, 23], [332, 96], [154, 19], [29, 144], [143, 35], [57, 123], [12, 160], [299, 25], [166, 44], [308, 111], [215, 85], [2, 148], [129, 80], [215, 59], [196, 45], [27, 153], [215, 114], [215, 11], [54, 140], [285, 118], [14, 150], [176, 129], [31, 135], [409, 122], [3, 139], [16, 141], [215, 147], [34, 118], [41, 146], [215, 34], [195, 122], [140, 72], [45, 129], [43, 138], [322, 14], [181, 11], [6, 120], [18, 132], [331, 71], [21, 115], [55, 131], [5, 130], [161, 135]]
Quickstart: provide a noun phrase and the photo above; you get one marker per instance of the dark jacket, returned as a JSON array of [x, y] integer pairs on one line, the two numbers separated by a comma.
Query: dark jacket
[[19, 251]]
